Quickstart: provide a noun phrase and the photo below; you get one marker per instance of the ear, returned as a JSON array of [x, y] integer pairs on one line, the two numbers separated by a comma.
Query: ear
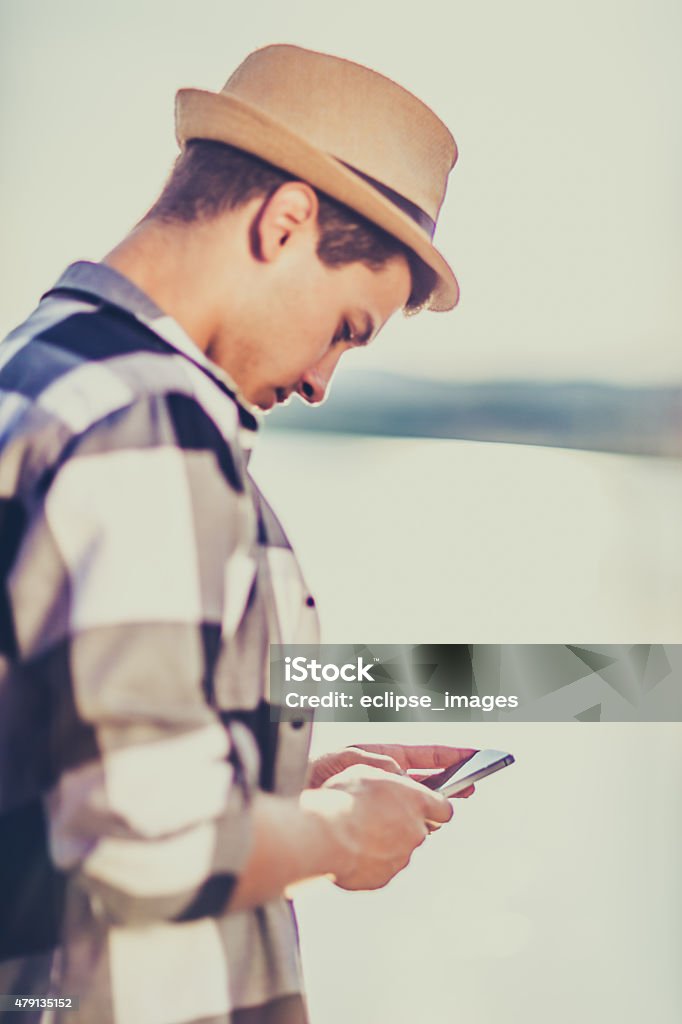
[[283, 216]]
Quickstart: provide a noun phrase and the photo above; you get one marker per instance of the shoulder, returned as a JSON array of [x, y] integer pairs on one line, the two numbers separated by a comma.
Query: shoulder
[[77, 376]]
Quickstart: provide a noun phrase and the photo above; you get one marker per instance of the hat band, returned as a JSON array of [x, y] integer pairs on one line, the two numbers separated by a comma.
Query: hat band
[[414, 212]]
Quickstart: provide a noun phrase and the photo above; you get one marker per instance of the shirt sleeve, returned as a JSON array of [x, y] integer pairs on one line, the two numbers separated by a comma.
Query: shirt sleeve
[[118, 598]]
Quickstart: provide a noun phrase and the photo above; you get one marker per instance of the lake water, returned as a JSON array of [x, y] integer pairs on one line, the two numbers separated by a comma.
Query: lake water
[[454, 541]]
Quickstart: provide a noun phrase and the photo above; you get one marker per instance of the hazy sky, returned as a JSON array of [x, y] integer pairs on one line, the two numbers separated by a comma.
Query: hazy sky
[[563, 216]]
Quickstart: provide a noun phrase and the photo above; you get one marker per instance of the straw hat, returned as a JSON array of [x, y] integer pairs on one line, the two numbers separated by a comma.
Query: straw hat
[[348, 131]]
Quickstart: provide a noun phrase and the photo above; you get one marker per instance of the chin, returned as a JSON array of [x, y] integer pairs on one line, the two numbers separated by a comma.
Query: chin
[[267, 400], [264, 400]]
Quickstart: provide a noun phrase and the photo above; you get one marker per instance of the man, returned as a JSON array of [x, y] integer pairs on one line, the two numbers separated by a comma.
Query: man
[[153, 810]]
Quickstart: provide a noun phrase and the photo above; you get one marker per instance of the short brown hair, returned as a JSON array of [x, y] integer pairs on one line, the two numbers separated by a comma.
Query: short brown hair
[[211, 177]]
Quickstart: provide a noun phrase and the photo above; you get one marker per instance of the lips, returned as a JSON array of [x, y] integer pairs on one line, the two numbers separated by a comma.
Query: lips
[[283, 395]]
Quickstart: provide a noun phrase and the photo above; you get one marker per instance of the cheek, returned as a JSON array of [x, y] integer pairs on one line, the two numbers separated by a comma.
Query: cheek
[[310, 338], [296, 349], [311, 349], [306, 323]]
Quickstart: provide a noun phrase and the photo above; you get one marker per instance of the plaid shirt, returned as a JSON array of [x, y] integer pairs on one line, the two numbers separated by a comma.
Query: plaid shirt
[[142, 578]]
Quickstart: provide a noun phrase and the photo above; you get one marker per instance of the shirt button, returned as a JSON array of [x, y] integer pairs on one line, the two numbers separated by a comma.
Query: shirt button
[[298, 723], [310, 601]]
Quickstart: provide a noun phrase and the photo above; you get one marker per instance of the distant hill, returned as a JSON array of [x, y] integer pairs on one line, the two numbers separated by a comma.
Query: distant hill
[[596, 416]]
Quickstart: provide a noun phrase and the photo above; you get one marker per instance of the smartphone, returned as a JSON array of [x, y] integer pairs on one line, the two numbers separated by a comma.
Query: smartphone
[[456, 778]]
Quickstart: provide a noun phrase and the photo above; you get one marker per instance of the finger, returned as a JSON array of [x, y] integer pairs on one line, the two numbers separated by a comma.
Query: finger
[[421, 755], [420, 776], [360, 755]]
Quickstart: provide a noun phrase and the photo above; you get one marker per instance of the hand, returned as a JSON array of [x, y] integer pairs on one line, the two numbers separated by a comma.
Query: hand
[[377, 818], [390, 757]]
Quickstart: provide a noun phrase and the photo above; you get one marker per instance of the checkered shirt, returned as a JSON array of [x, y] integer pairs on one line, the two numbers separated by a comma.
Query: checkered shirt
[[142, 578]]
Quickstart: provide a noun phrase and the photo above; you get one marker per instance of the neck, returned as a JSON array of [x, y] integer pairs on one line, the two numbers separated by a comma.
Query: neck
[[182, 267]]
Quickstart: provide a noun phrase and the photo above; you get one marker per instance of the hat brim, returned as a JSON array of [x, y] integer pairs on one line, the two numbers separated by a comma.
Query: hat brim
[[206, 115]]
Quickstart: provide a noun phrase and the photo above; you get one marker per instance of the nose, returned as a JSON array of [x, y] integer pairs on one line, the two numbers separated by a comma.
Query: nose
[[312, 387], [314, 383]]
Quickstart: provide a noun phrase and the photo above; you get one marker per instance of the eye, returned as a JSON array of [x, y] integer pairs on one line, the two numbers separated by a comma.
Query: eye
[[344, 334]]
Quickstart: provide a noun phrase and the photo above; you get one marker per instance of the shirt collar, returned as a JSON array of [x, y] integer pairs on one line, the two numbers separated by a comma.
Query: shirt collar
[[105, 284]]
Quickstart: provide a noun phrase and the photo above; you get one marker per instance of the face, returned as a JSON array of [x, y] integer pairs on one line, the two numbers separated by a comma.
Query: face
[[297, 316], [331, 311]]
